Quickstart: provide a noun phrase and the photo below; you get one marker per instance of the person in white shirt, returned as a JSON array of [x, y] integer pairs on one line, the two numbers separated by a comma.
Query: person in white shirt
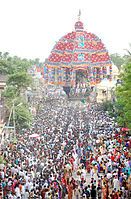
[[23, 190], [26, 195], [26, 178], [2, 174], [109, 175], [17, 191], [83, 174], [10, 196], [29, 185], [116, 183]]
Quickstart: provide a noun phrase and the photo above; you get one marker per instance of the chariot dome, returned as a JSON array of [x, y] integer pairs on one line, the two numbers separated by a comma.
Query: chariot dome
[[77, 51]]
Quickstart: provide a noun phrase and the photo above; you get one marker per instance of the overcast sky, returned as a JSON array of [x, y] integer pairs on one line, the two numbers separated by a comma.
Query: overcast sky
[[30, 28]]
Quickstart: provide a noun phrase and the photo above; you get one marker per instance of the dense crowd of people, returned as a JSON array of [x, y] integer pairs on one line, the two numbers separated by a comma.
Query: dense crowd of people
[[80, 153]]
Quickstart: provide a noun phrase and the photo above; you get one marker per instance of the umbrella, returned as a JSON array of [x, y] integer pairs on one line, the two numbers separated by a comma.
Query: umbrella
[[35, 135], [125, 129]]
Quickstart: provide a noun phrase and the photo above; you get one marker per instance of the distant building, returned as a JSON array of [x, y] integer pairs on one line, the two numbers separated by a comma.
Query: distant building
[[105, 89]]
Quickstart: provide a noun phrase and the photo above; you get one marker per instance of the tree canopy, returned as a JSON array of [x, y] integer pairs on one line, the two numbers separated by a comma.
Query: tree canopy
[[18, 79], [123, 94], [118, 60]]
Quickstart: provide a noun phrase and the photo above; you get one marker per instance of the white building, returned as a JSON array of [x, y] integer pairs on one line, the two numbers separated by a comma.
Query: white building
[[106, 87]]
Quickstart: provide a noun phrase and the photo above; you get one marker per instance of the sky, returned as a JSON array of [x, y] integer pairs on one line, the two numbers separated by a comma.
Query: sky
[[30, 28]]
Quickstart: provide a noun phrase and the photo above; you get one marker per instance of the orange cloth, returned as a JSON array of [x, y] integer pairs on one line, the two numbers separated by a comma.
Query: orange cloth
[[70, 191]]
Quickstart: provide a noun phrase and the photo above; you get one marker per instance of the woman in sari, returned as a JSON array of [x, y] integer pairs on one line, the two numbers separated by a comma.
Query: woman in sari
[[70, 190], [104, 189]]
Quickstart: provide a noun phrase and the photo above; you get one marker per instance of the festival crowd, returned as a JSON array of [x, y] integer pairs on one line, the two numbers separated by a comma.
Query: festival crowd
[[80, 152]]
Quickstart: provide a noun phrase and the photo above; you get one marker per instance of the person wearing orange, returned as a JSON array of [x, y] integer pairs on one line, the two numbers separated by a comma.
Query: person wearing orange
[[70, 190], [104, 195]]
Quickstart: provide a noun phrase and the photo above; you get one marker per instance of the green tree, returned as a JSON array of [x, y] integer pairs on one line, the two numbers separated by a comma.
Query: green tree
[[5, 55], [123, 93], [23, 116], [37, 61], [16, 70], [129, 50], [10, 93], [20, 80], [3, 67], [117, 60]]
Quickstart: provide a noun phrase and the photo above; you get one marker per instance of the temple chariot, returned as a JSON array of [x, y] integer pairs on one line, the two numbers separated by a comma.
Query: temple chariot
[[77, 62]]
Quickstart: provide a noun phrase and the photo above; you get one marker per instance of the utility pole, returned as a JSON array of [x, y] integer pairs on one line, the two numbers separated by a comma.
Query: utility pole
[[14, 120], [8, 124]]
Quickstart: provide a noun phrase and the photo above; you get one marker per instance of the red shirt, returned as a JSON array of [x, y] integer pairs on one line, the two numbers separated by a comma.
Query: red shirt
[[112, 158]]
